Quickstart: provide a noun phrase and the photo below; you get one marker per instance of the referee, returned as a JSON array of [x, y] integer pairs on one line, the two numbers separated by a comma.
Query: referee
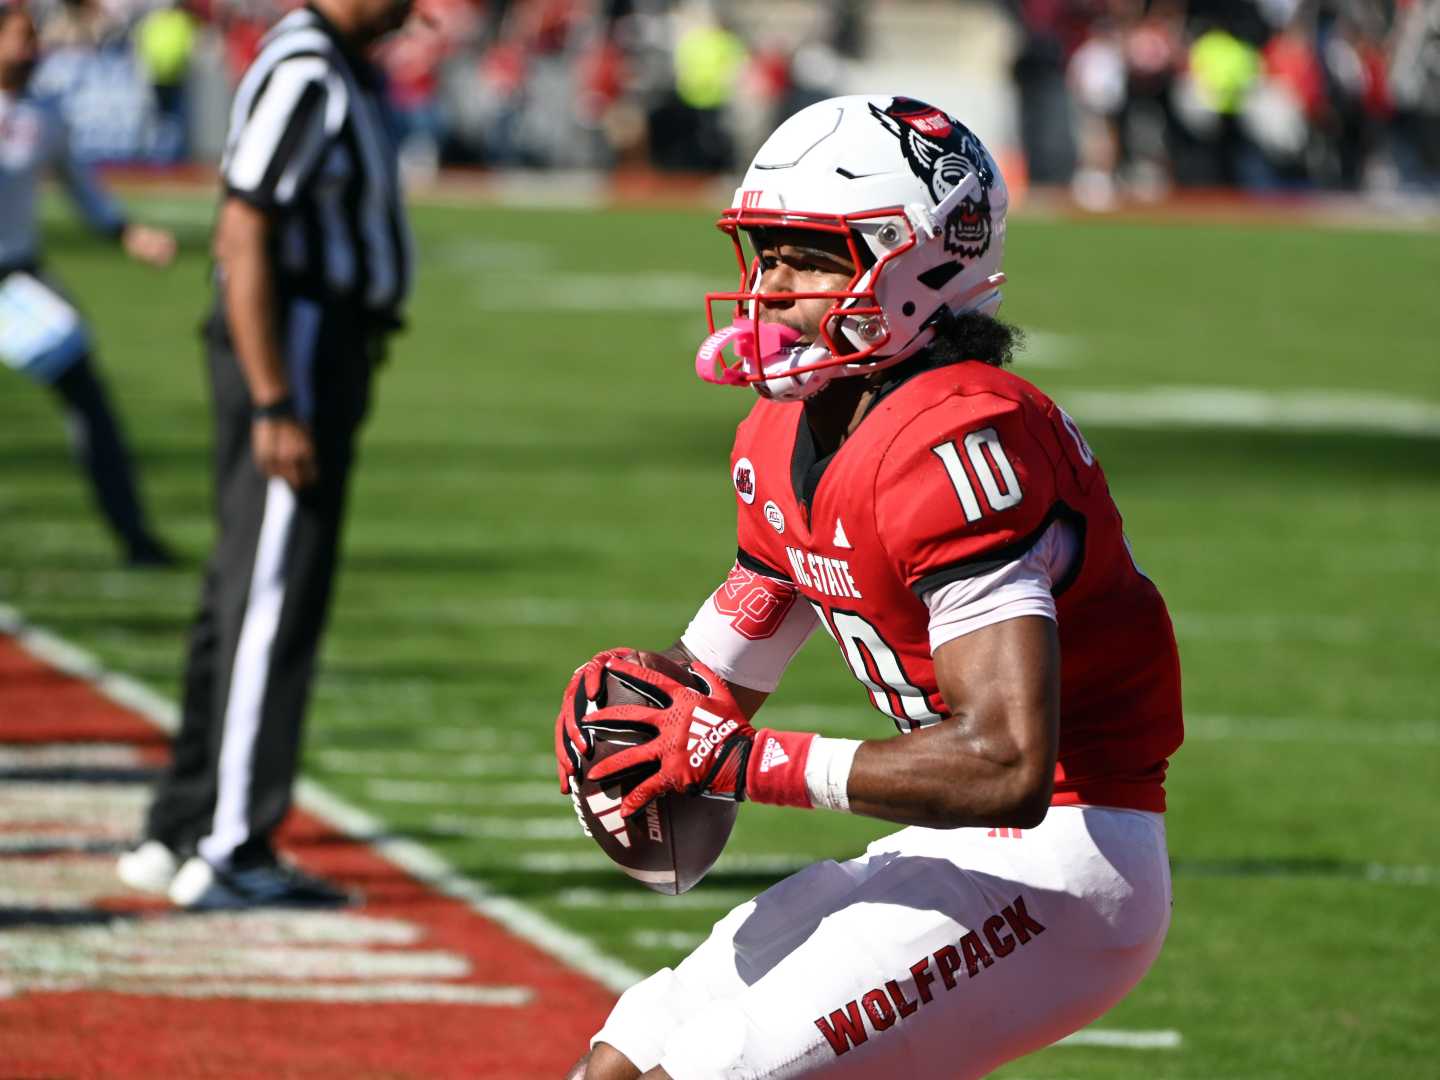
[[312, 265]]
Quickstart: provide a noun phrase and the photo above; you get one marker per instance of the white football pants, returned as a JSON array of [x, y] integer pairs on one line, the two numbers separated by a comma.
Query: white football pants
[[938, 953]]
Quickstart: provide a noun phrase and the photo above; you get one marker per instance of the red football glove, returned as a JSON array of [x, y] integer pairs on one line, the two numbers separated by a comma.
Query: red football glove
[[701, 743], [572, 743]]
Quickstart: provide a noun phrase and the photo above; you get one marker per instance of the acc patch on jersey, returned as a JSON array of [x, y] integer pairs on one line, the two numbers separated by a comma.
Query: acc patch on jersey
[[775, 516]]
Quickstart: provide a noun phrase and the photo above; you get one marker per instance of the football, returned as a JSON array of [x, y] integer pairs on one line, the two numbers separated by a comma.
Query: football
[[675, 840]]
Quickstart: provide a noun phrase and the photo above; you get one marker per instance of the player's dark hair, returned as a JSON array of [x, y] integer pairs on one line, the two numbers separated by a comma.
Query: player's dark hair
[[973, 336]]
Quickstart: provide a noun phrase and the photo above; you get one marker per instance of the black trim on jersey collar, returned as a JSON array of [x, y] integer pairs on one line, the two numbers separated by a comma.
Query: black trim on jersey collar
[[806, 468], [994, 560], [755, 566]]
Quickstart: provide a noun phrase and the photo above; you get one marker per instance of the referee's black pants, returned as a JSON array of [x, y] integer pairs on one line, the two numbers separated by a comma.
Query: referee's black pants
[[265, 596]]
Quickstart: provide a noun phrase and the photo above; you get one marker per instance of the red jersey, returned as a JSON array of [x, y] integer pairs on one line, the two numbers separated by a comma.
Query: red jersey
[[956, 471]]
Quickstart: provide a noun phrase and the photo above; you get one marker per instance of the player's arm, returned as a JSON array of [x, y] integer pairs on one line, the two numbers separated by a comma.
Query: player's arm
[[976, 529], [99, 208], [993, 761], [95, 204]]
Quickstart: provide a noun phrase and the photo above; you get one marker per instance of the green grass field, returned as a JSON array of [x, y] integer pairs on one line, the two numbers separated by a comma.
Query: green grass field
[[543, 476]]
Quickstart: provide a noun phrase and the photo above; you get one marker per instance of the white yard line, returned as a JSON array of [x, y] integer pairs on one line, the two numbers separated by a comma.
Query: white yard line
[[382, 992], [497, 828], [1128, 1040], [1403, 875], [564, 862], [391, 763], [706, 899], [1046, 349], [1243, 407], [96, 755], [682, 940], [34, 955], [458, 793], [608, 291], [1423, 877], [1298, 729], [450, 739]]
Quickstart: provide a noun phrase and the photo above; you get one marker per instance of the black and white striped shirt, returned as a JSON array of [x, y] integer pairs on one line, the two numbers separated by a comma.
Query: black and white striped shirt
[[308, 141]]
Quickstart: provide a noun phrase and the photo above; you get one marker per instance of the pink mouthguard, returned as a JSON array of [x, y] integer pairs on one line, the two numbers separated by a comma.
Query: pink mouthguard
[[710, 357]]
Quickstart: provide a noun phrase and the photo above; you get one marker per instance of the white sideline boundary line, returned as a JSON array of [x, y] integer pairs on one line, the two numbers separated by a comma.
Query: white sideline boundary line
[[1127, 1040], [422, 863]]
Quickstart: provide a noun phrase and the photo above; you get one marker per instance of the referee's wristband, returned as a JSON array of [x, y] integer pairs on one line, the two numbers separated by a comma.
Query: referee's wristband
[[283, 409]]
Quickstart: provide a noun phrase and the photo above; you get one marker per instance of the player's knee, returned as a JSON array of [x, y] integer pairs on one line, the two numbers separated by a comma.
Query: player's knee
[[604, 1062]]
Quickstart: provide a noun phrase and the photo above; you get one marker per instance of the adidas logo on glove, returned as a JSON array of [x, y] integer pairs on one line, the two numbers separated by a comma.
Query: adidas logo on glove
[[707, 731]]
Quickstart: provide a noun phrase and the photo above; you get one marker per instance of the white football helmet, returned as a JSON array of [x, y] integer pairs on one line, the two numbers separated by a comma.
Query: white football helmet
[[922, 206]]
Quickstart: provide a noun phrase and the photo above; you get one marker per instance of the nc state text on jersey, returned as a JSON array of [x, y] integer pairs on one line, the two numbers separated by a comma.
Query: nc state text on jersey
[[825, 575]]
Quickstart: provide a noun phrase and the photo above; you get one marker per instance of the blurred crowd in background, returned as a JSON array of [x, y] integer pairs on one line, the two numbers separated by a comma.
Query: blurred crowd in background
[[1115, 98]]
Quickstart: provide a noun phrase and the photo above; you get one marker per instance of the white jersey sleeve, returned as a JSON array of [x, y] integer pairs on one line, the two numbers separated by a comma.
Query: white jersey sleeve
[[1018, 588], [750, 628]]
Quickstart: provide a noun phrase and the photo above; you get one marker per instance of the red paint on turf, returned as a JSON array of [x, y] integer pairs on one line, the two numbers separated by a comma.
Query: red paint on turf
[[97, 1033]]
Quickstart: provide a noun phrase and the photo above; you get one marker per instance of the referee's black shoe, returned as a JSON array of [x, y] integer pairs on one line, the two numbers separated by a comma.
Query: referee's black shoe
[[201, 886]]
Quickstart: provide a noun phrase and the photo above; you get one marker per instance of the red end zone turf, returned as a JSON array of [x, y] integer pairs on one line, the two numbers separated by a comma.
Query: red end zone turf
[[99, 981]]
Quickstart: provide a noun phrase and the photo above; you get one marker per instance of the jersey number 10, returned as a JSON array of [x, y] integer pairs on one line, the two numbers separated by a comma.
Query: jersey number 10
[[992, 468]]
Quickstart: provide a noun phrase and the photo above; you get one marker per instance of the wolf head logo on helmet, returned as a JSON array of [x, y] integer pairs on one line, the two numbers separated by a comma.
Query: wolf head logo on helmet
[[919, 203], [942, 152]]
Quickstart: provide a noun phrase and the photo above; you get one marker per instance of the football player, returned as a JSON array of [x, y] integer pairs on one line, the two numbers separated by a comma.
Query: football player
[[946, 524], [42, 335]]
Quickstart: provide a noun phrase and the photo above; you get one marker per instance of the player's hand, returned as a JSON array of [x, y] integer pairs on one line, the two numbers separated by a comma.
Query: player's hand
[[147, 244], [283, 447], [573, 744], [701, 744]]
